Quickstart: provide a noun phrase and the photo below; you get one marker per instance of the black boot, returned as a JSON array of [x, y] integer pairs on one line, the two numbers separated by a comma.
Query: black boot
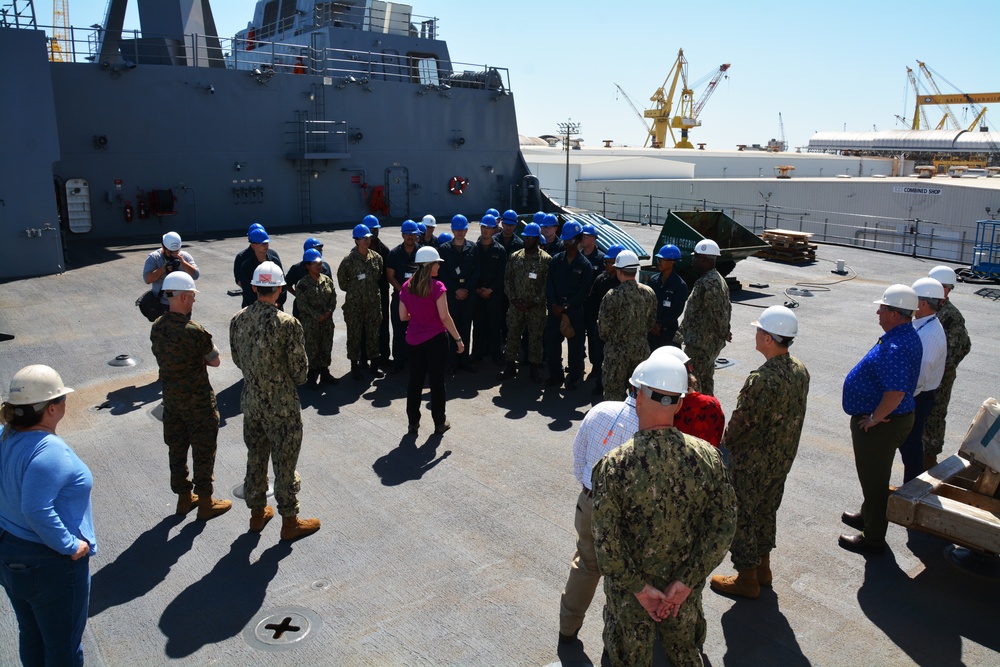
[[509, 371], [536, 372], [356, 370], [374, 368], [326, 378], [311, 379]]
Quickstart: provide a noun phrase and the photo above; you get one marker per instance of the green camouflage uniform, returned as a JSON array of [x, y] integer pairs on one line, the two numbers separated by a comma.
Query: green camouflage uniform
[[190, 416], [763, 437], [521, 288], [316, 297], [268, 346], [358, 277], [664, 511], [706, 327], [959, 345], [627, 314]]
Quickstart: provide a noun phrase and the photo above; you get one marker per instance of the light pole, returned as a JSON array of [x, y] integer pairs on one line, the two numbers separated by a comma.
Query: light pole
[[569, 128]]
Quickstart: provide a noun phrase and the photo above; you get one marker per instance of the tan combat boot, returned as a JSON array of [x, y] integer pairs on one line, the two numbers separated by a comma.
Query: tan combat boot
[[209, 507], [764, 570], [260, 517], [292, 527], [743, 584], [186, 502]]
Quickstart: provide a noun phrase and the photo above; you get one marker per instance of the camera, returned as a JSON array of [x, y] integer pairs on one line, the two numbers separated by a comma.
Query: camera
[[173, 264]]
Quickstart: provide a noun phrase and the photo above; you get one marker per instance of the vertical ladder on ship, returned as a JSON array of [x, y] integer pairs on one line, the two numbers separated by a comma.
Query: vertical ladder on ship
[[305, 171]]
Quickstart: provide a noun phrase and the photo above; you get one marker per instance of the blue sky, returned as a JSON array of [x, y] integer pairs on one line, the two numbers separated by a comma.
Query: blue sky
[[823, 66]]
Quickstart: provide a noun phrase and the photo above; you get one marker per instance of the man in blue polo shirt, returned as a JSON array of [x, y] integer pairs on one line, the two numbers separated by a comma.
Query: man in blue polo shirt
[[878, 394]]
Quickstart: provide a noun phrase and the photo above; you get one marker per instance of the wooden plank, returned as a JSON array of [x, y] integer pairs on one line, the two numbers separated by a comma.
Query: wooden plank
[[967, 497], [968, 526], [987, 483]]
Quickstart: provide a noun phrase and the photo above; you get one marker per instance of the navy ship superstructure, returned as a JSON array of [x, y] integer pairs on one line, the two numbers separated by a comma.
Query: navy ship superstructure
[[318, 113]]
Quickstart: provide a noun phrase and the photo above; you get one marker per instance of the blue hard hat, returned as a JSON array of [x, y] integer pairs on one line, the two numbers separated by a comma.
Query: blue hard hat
[[371, 222], [421, 228], [571, 230], [492, 211], [459, 222], [613, 251], [312, 255], [489, 220], [254, 226], [590, 230], [410, 227], [510, 217], [259, 236], [312, 242], [444, 237], [361, 232], [532, 230], [538, 218], [550, 220], [669, 251]]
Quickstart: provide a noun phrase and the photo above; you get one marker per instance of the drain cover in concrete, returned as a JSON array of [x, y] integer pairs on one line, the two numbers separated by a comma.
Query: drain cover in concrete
[[124, 360], [238, 491], [157, 412], [722, 362], [281, 629]]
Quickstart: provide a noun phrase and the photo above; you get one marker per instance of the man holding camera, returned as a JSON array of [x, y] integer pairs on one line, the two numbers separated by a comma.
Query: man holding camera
[[166, 260]]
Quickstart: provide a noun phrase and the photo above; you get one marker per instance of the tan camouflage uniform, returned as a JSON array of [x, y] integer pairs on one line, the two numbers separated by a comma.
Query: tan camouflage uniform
[[664, 511], [269, 347], [316, 297], [359, 279], [959, 345], [627, 314], [763, 437], [521, 288], [706, 326], [190, 416]]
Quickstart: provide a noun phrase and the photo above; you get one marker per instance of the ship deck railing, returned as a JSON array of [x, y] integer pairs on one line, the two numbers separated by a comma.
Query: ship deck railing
[[82, 45]]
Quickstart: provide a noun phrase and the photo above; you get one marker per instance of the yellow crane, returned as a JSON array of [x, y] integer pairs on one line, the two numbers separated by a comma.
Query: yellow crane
[[971, 99], [60, 29], [635, 108], [948, 115], [687, 110]]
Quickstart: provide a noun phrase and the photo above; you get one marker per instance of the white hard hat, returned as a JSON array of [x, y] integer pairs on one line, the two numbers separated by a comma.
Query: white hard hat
[[707, 247], [430, 220], [778, 320], [671, 351], [664, 373], [944, 275], [427, 255], [627, 259], [172, 241], [929, 288], [899, 296], [268, 274], [36, 384], [178, 281]]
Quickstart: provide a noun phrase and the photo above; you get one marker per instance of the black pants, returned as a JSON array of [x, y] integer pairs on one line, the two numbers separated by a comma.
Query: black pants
[[383, 332], [427, 360], [489, 318], [400, 349], [912, 450], [462, 313], [554, 340]]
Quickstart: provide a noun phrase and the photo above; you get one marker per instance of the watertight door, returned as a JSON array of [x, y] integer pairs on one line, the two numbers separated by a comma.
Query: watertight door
[[397, 190]]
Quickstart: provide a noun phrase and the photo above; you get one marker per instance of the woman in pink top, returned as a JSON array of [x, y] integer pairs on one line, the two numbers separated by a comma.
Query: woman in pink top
[[423, 303]]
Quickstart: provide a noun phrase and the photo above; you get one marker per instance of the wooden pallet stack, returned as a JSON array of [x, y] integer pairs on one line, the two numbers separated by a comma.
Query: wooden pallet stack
[[788, 246]]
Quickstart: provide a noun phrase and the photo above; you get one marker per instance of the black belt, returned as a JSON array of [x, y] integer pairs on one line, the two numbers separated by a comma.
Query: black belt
[[890, 417], [589, 492]]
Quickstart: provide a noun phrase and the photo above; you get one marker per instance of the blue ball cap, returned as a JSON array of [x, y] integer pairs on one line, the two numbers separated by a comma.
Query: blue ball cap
[[459, 222], [550, 220], [371, 222], [312, 242], [613, 251], [532, 230], [510, 217], [421, 228], [254, 226], [492, 211], [590, 230], [259, 236], [361, 232], [669, 251], [538, 218], [410, 227], [312, 255], [444, 237], [489, 220], [571, 230]]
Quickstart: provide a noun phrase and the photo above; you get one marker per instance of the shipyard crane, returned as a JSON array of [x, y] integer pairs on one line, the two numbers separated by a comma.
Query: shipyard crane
[[781, 125], [664, 120], [60, 29], [948, 115], [635, 108]]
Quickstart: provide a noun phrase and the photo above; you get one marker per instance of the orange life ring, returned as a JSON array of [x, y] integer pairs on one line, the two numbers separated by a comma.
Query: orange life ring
[[457, 185]]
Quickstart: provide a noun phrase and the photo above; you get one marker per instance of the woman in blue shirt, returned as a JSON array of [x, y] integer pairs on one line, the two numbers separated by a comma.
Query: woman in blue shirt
[[46, 529]]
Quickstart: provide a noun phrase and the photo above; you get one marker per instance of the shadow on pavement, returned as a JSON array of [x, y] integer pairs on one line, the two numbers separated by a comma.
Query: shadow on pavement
[[757, 633], [408, 462]]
